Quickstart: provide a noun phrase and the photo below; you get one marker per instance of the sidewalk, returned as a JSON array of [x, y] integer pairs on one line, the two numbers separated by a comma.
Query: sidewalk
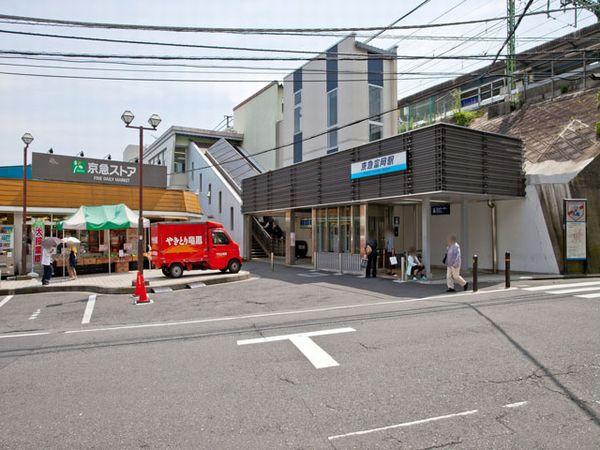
[[119, 283]]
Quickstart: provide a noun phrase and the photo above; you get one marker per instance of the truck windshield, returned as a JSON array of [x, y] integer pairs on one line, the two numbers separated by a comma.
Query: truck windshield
[[219, 238]]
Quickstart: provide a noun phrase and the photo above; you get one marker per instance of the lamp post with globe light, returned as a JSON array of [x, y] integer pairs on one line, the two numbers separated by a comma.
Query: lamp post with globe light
[[154, 120], [27, 139]]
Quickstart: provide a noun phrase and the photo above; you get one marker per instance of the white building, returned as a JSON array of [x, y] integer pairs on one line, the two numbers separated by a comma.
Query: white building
[[348, 83], [210, 164], [257, 118]]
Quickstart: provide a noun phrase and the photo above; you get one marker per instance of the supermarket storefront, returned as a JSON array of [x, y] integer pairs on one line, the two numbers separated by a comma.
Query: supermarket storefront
[[59, 185], [408, 190]]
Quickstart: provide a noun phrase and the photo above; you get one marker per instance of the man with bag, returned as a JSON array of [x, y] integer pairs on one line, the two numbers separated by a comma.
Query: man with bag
[[371, 251], [452, 262]]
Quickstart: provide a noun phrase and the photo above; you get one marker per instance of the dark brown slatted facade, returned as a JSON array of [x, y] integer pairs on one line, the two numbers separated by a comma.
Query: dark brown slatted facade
[[440, 158]]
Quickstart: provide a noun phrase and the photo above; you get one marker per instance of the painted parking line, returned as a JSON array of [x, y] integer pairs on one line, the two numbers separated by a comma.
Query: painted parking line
[[303, 342], [596, 295], [5, 300], [17, 335], [89, 309], [419, 422], [35, 314], [405, 424]]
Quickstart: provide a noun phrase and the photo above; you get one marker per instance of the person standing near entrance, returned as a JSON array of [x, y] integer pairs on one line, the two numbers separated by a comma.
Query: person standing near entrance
[[452, 261], [47, 265], [371, 250]]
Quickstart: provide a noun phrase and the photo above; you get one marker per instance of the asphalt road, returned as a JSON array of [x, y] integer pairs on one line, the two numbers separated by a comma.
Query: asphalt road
[[299, 359]]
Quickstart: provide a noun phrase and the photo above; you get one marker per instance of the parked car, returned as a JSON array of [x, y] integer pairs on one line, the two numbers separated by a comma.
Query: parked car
[[180, 246]]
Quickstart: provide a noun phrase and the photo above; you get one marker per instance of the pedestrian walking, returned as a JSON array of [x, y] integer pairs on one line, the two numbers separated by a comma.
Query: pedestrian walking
[[72, 268], [452, 262], [371, 251], [47, 265]]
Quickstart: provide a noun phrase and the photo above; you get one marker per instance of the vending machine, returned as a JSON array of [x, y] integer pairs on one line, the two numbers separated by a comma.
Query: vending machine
[[7, 245]]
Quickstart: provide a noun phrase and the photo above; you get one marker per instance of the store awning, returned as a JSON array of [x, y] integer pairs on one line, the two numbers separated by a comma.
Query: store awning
[[105, 217]]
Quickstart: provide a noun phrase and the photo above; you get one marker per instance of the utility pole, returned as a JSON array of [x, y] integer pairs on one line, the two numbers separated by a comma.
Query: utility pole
[[228, 119], [511, 62], [591, 5]]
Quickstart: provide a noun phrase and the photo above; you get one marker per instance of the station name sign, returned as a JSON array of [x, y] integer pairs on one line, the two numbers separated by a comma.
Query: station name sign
[[87, 170], [396, 162]]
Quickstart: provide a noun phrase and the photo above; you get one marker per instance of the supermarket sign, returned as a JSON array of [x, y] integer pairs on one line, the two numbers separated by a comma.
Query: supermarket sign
[[87, 170]]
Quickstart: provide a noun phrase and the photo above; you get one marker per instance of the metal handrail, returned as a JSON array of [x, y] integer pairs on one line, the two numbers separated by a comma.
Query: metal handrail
[[262, 237]]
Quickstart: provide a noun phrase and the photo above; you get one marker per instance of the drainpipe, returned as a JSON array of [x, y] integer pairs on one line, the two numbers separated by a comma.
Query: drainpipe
[[492, 207]]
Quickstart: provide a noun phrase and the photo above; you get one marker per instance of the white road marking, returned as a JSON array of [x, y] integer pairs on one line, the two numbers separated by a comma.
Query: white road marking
[[562, 286], [405, 424], [16, 335], [573, 290], [303, 342], [596, 295], [515, 405], [35, 314], [5, 300], [89, 308], [286, 313]]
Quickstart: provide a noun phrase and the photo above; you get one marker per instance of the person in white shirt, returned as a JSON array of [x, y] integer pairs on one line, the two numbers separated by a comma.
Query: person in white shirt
[[414, 268], [47, 265]]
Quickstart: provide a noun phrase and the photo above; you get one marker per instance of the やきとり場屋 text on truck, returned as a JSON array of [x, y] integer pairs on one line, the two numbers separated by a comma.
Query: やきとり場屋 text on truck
[[180, 246]]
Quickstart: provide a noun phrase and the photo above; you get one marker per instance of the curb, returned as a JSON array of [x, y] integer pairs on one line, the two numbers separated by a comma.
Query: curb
[[176, 286]]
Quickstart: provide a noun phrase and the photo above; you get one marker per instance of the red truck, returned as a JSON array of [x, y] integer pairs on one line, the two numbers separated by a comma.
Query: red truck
[[179, 246]]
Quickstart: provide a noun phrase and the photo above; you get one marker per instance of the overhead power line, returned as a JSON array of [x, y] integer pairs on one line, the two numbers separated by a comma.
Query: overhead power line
[[482, 57], [125, 26], [379, 33]]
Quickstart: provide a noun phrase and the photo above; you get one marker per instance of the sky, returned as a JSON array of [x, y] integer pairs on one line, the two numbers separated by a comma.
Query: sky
[[70, 116]]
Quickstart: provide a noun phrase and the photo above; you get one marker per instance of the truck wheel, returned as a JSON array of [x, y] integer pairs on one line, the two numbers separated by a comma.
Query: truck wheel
[[165, 271], [234, 266], [176, 270]]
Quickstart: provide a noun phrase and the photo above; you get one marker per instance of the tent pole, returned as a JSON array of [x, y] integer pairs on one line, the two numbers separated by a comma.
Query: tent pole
[[109, 251], [62, 250]]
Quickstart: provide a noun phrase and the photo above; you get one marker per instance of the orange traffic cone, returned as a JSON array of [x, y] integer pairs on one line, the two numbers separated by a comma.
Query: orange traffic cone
[[136, 291], [142, 294]]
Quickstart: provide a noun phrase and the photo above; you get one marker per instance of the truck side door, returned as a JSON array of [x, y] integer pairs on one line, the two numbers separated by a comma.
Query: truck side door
[[219, 249]]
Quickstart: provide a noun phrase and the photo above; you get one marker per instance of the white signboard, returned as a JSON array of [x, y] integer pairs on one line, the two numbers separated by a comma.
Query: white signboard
[[575, 229], [381, 165]]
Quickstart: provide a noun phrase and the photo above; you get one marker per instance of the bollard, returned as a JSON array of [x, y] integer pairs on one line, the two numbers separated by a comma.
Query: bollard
[[403, 268], [475, 266], [272, 262], [507, 270]]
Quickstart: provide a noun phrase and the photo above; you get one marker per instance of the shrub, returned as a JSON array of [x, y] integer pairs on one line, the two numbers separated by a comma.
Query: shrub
[[598, 99], [460, 117], [564, 89], [598, 129]]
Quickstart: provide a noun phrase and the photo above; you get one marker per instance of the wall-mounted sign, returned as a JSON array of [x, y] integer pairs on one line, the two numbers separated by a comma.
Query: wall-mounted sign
[[381, 165], [440, 209], [575, 229], [305, 223], [86, 170]]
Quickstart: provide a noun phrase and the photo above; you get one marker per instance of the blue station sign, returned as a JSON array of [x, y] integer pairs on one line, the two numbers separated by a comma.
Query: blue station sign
[[381, 165]]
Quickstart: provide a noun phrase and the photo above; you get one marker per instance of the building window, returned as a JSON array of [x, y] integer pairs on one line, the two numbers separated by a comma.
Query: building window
[[332, 121], [158, 159], [231, 217], [220, 202], [193, 171], [209, 194], [179, 160], [298, 115], [375, 111], [200, 182], [298, 148]]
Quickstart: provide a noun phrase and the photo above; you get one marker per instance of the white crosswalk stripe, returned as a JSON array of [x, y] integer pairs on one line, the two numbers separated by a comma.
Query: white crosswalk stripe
[[570, 288], [560, 286]]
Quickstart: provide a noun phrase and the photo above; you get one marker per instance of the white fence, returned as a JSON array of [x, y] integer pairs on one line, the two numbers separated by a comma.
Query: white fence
[[339, 262]]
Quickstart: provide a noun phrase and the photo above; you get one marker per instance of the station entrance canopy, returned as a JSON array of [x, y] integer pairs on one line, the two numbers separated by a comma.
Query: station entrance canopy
[[440, 161]]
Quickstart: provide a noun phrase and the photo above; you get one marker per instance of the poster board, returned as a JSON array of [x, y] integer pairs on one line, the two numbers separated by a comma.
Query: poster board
[[575, 221]]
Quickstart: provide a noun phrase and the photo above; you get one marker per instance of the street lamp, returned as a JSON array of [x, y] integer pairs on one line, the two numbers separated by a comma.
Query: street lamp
[[27, 139], [154, 120]]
